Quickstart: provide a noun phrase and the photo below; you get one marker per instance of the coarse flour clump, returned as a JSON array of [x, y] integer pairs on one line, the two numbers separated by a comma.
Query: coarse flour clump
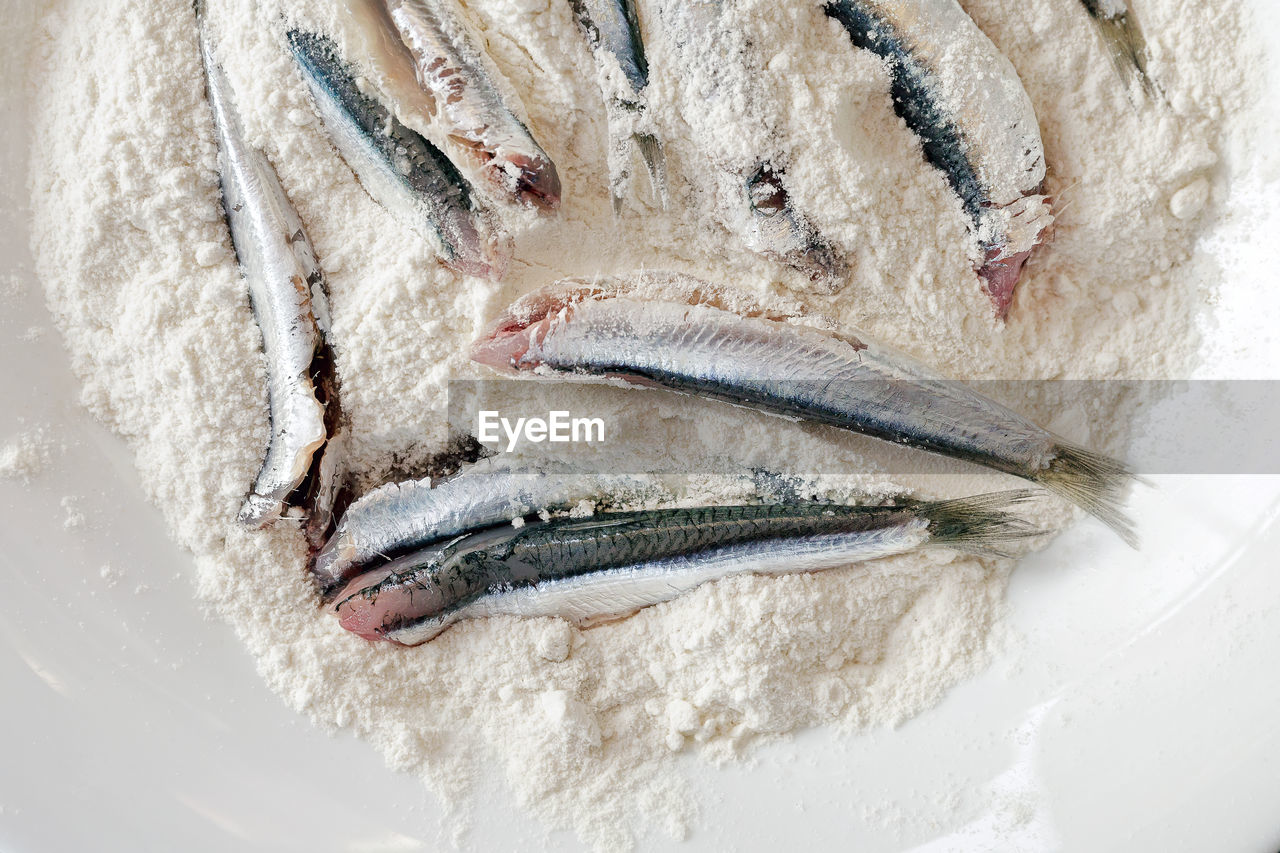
[[584, 725]]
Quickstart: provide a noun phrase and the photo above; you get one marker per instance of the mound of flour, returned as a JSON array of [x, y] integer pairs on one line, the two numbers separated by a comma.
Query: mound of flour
[[585, 725]]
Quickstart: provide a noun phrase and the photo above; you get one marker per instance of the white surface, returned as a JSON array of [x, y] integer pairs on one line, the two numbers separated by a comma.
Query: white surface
[[1136, 713]]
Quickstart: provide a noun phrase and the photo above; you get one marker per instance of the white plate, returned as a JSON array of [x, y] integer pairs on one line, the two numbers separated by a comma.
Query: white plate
[[1138, 712]]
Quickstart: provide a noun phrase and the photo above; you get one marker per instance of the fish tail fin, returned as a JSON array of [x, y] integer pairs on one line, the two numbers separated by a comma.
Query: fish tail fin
[[1128, 50], [624, 148], [980, 524], [655, 163], [1097, 484]]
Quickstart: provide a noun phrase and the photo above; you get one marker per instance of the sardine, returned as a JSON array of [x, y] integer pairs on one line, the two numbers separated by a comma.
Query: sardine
[[287, 293], [596, 330], [963, 99], [613, 564], [469, 106], [753, 200], [400, 518], [612, 29], [1124, 41], [399, 169]]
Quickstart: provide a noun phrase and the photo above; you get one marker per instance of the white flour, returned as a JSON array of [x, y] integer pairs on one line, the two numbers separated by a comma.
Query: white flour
[[26, 455], [584, 725]]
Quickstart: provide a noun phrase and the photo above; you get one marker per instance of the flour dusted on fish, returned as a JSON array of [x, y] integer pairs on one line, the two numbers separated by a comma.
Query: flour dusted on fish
[[584, 727]]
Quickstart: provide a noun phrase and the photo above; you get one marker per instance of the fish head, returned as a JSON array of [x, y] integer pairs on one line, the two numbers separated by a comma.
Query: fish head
[[820, 263], [508, 343], [505, 345], [1020, 226], [372, 608], [782, 233], [530, 177]]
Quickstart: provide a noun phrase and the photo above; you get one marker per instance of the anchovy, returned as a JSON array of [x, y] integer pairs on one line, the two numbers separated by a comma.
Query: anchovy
[[400, 518], [287, 293], [963, 99], [1124, 41], [596, 330], [399, 169], [613, 564], [771, 226], [612, 29], [753, 199], [468, 105]]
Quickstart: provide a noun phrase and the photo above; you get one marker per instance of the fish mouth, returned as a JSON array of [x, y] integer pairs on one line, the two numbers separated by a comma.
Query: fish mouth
[[476, 267], [361, 621], [362, 611], [359, 610]]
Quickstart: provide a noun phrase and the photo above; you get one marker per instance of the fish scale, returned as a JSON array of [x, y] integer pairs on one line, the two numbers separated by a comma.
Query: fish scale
[[610, 565], [795, 371], [470, 109], [400, 518], [399, 169], [287, 295], [965, 103]]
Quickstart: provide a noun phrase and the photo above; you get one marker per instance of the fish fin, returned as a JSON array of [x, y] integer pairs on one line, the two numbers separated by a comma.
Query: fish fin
[[979, 524], [1097, 484], [1127, 48], [655, 163]]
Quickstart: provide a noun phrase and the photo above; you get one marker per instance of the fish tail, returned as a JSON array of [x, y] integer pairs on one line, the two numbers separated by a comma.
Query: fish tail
[[1127, 48], [1097, 484], [655, 163], [980, 524]]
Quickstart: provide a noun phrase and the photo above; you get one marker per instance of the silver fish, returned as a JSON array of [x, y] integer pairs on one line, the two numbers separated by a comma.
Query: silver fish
[[771, 226], [612, 29], [1124, 41], [753, 200], [595, 330], [963, 99], [468, 105], [613, 564], [399, 169], [399, 518], [287, 292]]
